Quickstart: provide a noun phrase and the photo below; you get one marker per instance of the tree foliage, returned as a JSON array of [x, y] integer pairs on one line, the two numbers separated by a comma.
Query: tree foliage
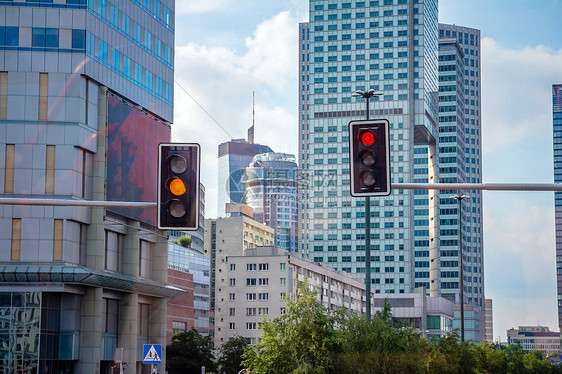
[[184, 241], [311, 339], [187, 352], [230, 357]]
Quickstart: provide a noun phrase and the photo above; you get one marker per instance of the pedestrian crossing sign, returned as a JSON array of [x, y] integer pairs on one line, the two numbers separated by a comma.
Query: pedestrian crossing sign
[[152, 354]]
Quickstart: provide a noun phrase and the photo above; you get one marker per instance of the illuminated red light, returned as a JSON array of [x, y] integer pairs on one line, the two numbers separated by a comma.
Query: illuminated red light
[[367, 138]]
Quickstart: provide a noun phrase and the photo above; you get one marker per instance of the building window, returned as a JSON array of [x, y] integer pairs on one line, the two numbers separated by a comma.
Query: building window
[[263, 311], [232, 326], [78, 39], [9, 169], [16, 239], [232, 282], [232, 267], [282, 266], [250, 281], [231, 296], [111, 316], [43, 96], [50, 170], [178, 327], [263, 296], [232, 311], [145, 259], [263, 267], [113, 245], [263, 281], [57, 240], [251, 267], [250, 296], [45, 37], [143, 319], [251, 311], [9, 36], [250, 325]]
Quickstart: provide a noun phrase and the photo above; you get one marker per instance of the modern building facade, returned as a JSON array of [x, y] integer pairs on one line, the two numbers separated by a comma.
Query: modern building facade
[[535, 338], [432, 316], [234, 156], [270, 188], [460, 157], [388, 45], [85, 93], [557, 139], [192, 261], [225, 237]]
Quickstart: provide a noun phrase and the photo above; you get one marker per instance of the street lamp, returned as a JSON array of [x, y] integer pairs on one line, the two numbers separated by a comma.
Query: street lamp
[[367, 95], [460, 197]]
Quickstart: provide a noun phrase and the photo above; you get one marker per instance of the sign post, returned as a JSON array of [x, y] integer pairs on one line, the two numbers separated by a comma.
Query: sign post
[[152, 354]]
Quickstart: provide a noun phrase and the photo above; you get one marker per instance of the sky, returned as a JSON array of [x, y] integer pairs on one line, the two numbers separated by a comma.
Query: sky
[[227, 49]]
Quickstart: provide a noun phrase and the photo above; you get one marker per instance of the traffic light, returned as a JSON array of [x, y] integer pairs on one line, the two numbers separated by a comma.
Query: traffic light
[[178, 186], [369, 157]]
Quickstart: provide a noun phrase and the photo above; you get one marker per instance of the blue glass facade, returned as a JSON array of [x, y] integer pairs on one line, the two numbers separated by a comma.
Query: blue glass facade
[[557, 139]]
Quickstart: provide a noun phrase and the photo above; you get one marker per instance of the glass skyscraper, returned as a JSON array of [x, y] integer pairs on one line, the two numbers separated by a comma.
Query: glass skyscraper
[[460, 160], [391, 46], [270, 188], [557, 132], [234, 156], [388, 45]]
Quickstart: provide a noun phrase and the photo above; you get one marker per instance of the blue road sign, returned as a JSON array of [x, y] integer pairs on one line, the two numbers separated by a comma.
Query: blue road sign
[[152, 353]]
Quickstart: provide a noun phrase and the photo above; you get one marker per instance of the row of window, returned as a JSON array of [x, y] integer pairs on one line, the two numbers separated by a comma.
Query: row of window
[[122, 64], [360, 4]]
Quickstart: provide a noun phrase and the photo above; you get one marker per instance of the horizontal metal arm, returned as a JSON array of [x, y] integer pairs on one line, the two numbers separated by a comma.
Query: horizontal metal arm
[[396, 186], [480, 186], [72, 202]]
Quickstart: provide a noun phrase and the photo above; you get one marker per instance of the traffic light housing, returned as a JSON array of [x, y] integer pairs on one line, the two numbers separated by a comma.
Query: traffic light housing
[[178, 186], [369, 157]]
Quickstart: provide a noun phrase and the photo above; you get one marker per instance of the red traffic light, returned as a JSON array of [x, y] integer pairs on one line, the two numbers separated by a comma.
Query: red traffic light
[[367, 138]]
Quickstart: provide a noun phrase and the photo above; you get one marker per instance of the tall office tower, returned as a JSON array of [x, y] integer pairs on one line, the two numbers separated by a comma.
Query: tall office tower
[[270, 188], [461, 161], [234, 156], [85, 97], [557, 131], [388, 45]]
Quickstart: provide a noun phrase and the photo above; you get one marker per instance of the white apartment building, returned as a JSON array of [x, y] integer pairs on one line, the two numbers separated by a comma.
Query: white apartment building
[[259, 282]]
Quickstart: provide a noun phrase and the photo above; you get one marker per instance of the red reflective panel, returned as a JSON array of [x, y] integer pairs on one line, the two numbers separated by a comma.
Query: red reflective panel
[[367, 138]]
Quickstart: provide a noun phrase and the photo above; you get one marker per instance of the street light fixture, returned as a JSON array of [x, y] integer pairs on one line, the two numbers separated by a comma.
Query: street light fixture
[[367, 95], [460, 197]]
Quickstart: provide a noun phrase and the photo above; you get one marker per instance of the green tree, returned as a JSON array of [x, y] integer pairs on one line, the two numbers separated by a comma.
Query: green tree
[[184, 241], [301, 341], [230, 358], [187, 352]]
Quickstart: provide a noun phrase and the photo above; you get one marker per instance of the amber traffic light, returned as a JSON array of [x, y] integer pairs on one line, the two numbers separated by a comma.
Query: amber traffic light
[[178, 186]]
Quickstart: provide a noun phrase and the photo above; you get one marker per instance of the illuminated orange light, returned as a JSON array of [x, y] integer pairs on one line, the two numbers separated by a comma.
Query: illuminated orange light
[[177, 187]]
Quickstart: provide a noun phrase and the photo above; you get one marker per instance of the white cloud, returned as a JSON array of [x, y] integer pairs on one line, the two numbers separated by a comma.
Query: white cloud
[[516, 93], [221, 80], [519, 260]]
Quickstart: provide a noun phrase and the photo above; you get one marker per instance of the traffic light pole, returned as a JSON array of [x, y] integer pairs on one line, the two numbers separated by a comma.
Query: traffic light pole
[[368, 240]]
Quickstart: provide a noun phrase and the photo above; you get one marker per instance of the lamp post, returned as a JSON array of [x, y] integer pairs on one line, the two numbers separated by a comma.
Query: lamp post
[[367, 95], [460, 197]]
